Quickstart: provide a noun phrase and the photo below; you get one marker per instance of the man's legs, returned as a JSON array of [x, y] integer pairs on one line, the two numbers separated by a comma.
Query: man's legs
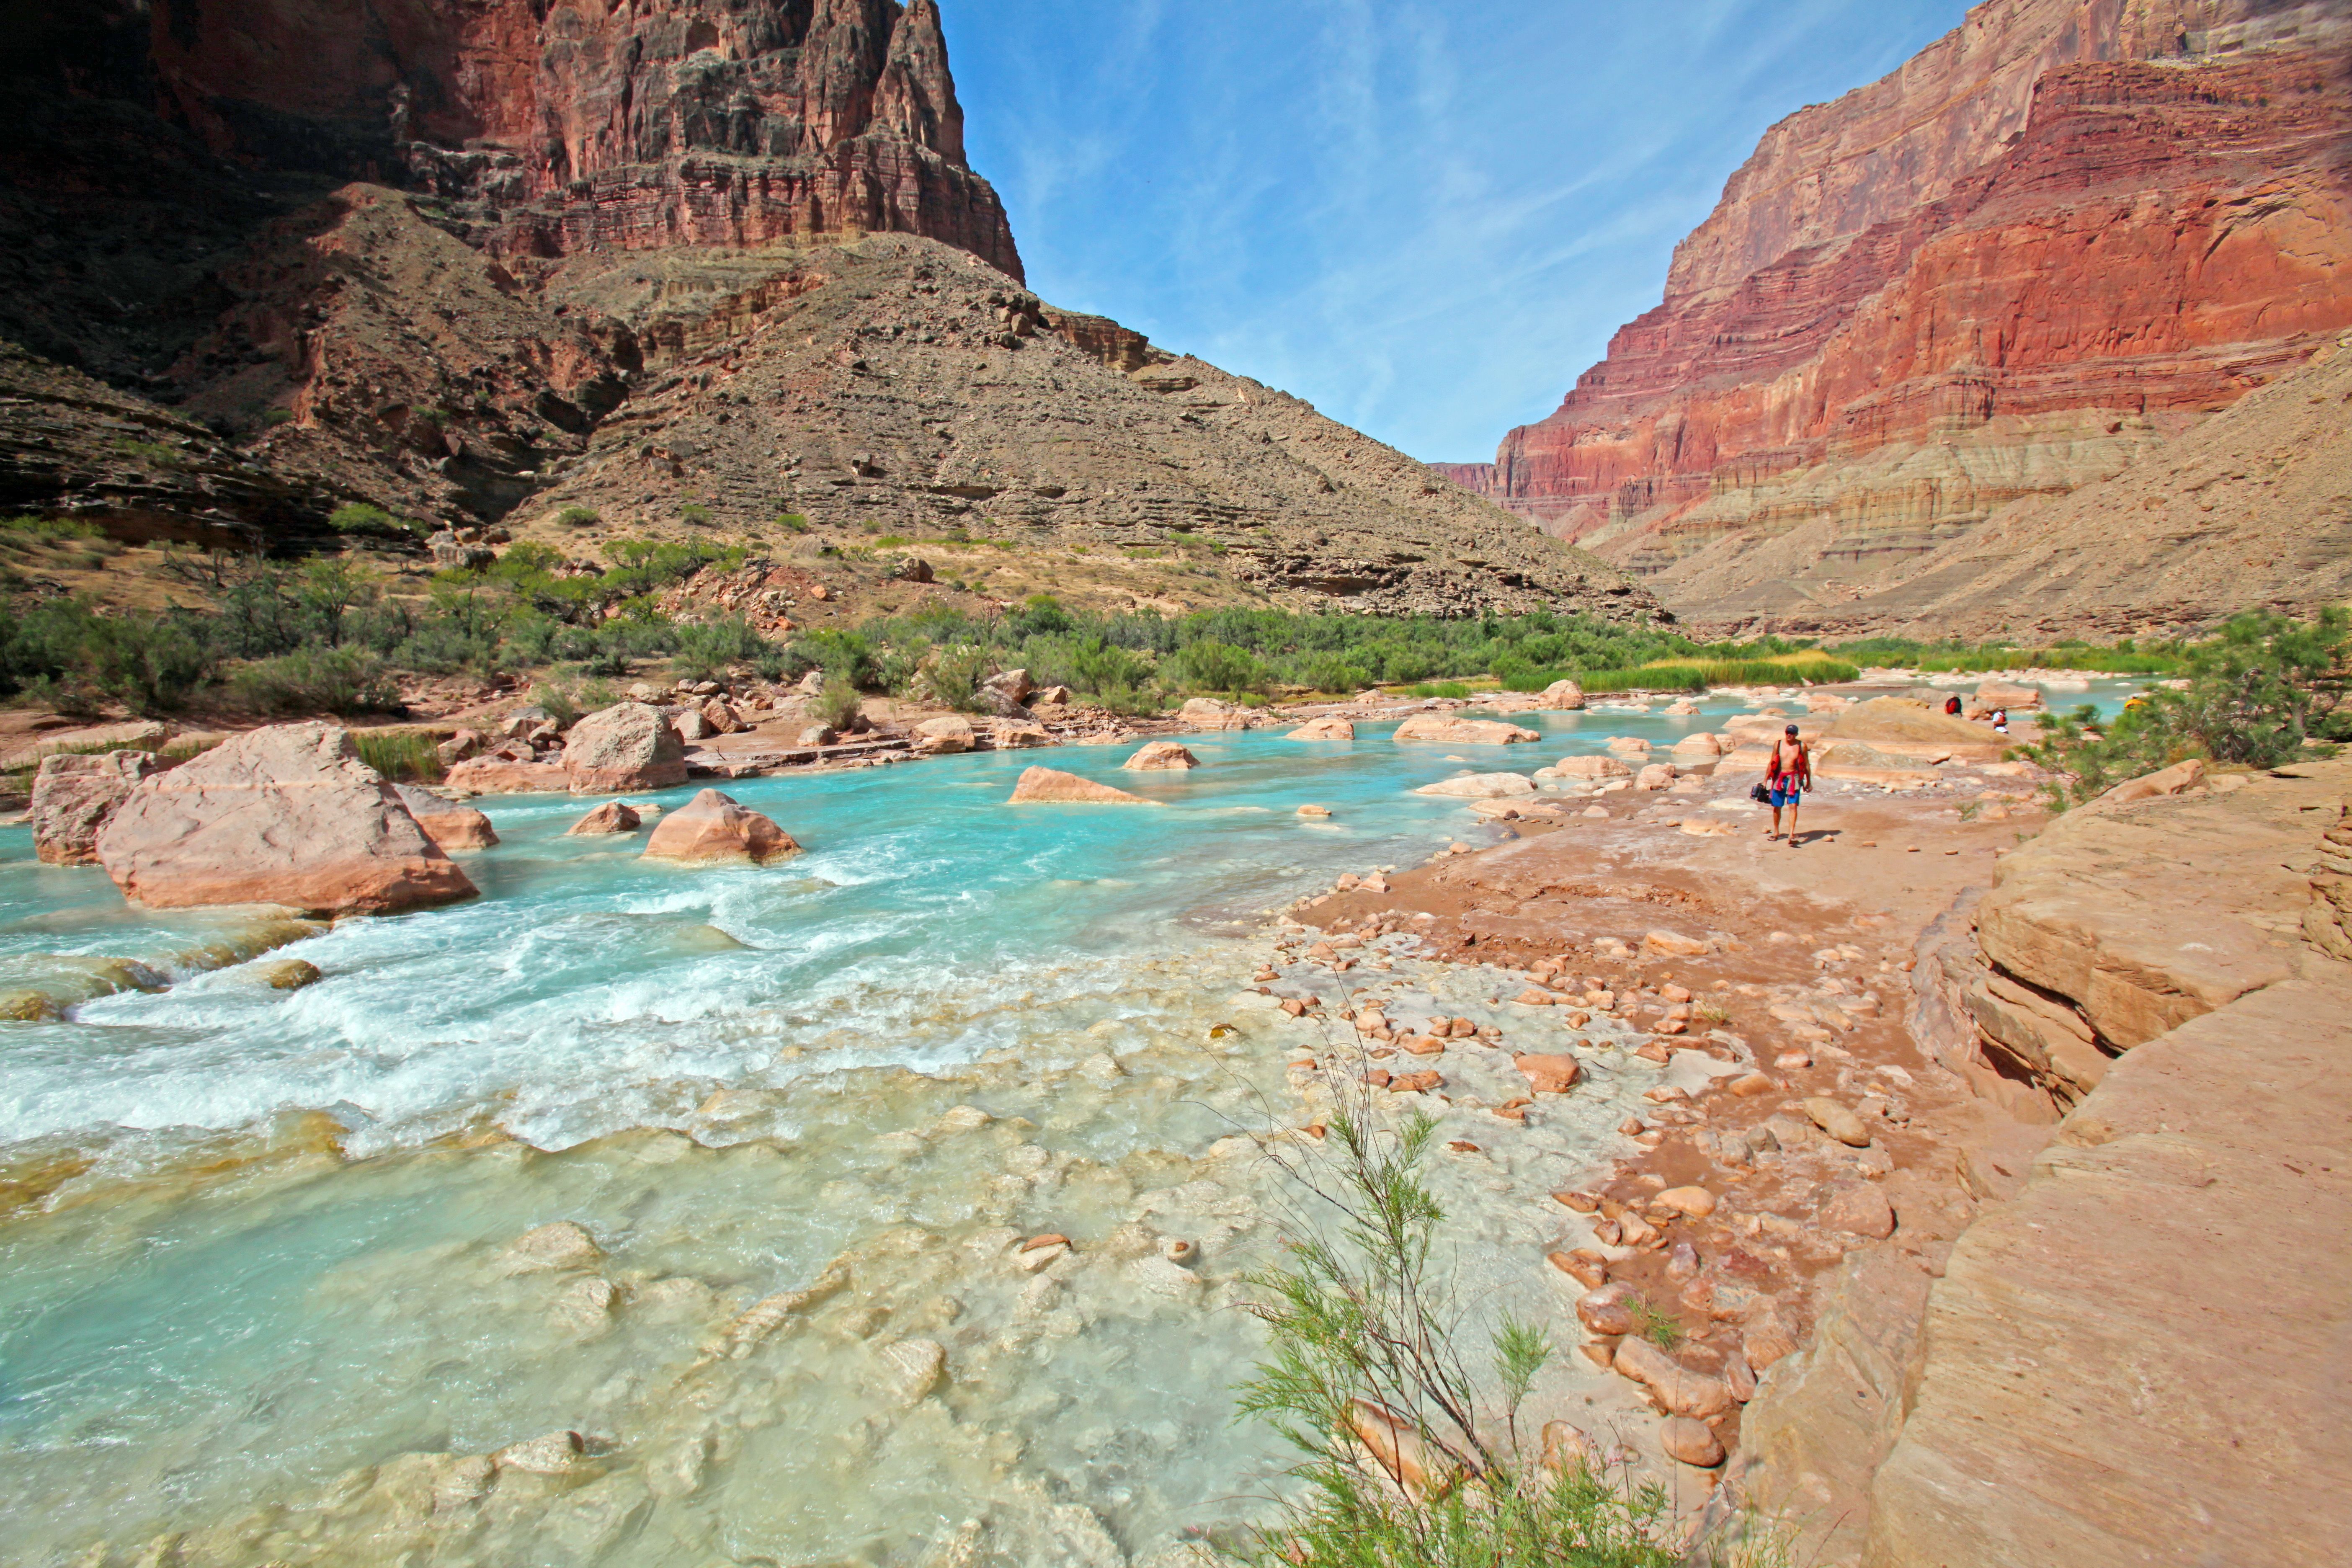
[[1795, 800]]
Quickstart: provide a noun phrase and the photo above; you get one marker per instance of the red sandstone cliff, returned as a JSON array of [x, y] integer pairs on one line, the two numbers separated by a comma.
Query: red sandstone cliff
[[628, 123], [2062, 233]]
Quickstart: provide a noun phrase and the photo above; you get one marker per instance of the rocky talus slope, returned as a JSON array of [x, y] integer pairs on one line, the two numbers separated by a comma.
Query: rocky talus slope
[[690, 266], [2061, 234], [2137, 1355]]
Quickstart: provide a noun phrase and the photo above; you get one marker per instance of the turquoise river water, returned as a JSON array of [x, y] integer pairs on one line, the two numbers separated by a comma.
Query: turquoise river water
[[266, 1312]]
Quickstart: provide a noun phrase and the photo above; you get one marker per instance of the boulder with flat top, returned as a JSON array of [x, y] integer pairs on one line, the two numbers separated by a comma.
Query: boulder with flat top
[[74, 796], [286, 815], [445, 821], [624, 750], [711, 830]]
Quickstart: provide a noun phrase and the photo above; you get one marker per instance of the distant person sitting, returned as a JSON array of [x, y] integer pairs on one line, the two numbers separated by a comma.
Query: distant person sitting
[[1788, 775], [2000, 721], [1952, 706]]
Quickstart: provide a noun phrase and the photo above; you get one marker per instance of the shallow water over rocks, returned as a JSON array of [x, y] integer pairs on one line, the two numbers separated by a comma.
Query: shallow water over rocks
[[257, 1301]]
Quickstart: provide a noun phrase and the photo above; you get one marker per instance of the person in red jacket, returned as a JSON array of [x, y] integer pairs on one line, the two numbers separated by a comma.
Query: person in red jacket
[[1788, 775]]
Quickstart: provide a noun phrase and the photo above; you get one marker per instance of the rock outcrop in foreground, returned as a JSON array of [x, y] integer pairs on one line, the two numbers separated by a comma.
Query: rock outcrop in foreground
[[286, 815], [2024, 263], [2140, 1357]]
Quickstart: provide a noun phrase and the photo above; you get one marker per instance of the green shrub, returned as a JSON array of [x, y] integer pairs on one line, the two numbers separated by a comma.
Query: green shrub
[[693, 515], [836, 703], [558, 703], [402, 756], [50, 530], [578, 516], [1367, 1311], [792, 522], [342, 681], [1214, 667], [708, 646], [2255, 694]]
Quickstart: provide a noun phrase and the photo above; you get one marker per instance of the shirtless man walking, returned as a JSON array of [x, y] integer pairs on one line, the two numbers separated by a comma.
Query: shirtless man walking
[[1789, 777]]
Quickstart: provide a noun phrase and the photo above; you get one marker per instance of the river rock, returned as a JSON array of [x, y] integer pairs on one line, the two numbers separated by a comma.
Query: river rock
[[624, 748], [1696, 1202], [1689, 1441], [911, 1369], [281, 973], [1629, 745], [1678, 1390], [1561, 697], [1591, 768], [1549, 1074], [1161, 756], [1839, 1122], [1444, 729], [1995, 694], [1859, 1209], [1394, 1445], [1698, 748], [1609, 1310], [461, 744], [1011, 684], [1039, 787], [1007, 734], [1052, 697], [492, 775], [558, 1244], [1481, 786], [944, 736], [612, 816], [451, 825], [555, 1454], [2178, 779], [1207, 713], [721, 718], [286, 815], [73, 797], [712, 829], [1323, 730], [1315, 811], [1657, 775]]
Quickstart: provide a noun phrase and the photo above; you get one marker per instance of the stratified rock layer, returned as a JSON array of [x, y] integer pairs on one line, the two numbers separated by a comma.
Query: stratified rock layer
[[2062, 234], [286, 815], [706, 122]]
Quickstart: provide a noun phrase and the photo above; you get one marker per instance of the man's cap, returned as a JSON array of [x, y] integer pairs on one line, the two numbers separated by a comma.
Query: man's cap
[[1792, 728]]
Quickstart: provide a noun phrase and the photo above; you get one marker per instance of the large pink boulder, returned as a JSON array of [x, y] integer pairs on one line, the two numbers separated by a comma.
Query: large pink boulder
[[711, 830], [286, 815], [505, 776], [612, 816], [1050, 785], [1324, 730], [451, 825], [621, 750], [74, 796]]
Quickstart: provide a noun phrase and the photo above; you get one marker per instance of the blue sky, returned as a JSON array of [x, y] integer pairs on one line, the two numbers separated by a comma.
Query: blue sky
[[1424, 217]]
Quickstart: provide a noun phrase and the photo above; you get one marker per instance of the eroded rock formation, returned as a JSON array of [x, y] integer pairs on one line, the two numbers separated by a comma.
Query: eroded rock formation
[[2057, 237], [477, 261]]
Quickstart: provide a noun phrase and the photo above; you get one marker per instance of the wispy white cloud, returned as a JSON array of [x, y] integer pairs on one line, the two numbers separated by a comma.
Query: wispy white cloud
[[1426, 219]]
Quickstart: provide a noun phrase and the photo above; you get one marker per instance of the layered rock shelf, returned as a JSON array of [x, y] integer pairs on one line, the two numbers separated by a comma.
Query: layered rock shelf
[[2060, 236]]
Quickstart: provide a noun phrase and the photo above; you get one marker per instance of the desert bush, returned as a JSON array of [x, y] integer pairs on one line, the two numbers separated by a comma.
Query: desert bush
[[1364, 1312], [835, 703], [578, 516], [2253, 695], [339, 680]]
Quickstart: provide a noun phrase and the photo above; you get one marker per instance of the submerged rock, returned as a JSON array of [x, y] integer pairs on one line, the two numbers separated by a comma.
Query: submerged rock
[[73, 797], [711, 830], [1323, 730], [559, 1245], [1481, 786], [286, 815], [626, 747], [1444, 729], [446, 823], [284, 973]]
